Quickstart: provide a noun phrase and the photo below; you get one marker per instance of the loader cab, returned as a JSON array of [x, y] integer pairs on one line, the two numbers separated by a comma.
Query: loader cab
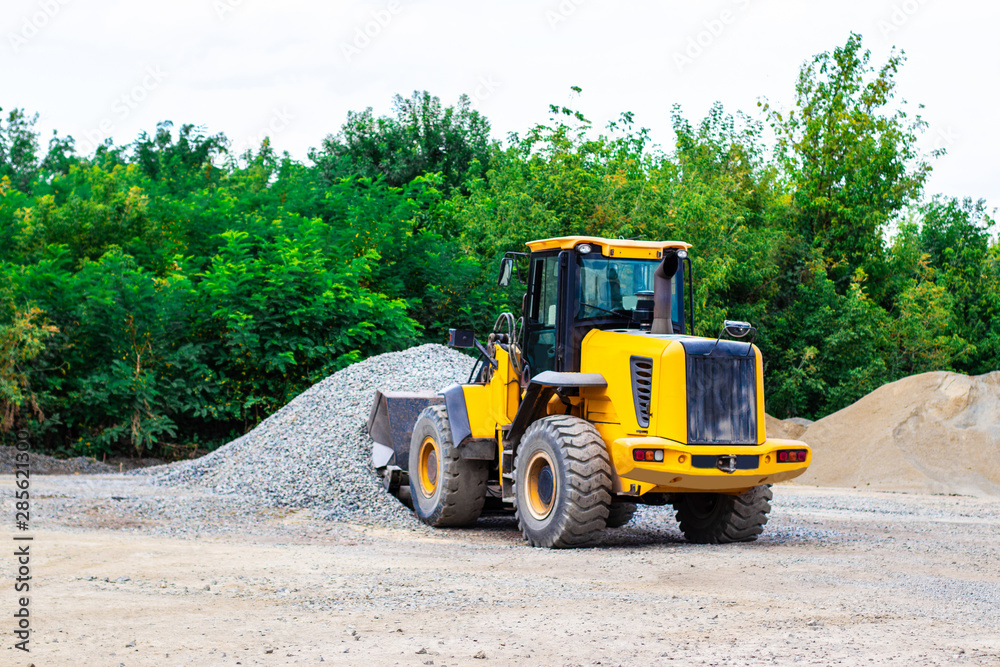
[[576, 284]]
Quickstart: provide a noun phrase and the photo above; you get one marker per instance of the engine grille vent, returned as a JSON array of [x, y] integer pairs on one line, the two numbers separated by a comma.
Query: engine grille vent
[[642, 388], [722, 400]]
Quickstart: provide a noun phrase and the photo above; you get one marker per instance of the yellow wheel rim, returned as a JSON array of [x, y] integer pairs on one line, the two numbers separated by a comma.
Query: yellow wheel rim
[[428, 467], [540, 483]]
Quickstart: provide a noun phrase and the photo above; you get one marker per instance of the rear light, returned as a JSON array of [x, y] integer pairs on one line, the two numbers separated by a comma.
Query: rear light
[[647, 454], [792, 455]]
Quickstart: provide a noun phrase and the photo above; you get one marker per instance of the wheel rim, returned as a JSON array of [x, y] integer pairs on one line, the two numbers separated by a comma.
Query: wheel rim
[[541, 485], [428, 467]]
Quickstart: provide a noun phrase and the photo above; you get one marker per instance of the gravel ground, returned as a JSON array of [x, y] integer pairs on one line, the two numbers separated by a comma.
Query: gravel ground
[[132, 573], [314, 452]]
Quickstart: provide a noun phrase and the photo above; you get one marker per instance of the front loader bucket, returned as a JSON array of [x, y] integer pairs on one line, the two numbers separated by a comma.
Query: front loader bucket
[[390, 424]]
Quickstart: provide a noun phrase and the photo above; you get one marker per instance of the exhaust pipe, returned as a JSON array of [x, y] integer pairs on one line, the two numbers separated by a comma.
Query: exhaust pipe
[[663, 292]]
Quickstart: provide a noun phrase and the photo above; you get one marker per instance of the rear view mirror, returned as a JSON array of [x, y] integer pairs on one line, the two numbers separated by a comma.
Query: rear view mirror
[[737, 329], [506, 271], [461, 338]]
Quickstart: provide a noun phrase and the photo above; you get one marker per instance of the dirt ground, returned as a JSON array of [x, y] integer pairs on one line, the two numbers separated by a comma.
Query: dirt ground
[[840, 577]]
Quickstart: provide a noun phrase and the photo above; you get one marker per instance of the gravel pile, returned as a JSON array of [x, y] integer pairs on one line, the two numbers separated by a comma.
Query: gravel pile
[[41, 464], [315, 452]]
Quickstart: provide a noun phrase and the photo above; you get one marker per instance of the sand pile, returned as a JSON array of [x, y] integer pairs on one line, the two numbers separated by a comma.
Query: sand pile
[[930, 433], [789, 429]]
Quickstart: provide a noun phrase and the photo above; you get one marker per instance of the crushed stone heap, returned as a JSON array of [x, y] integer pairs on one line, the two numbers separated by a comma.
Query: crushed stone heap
[[315, 452], [42, 464]]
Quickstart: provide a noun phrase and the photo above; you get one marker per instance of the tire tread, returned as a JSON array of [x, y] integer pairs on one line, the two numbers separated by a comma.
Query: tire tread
[[588, 483], [737, 518], [462, 481], [620, 514]]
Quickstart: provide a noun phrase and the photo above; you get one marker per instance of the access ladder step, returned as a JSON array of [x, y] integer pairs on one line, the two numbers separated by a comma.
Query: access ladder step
[[507, 462], [507, 474]]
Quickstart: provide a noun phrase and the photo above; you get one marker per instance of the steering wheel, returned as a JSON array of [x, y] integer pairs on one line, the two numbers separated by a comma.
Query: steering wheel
[[612, 312]]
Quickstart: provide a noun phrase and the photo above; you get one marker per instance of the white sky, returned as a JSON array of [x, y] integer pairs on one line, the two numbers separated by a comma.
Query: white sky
[[293, 69]]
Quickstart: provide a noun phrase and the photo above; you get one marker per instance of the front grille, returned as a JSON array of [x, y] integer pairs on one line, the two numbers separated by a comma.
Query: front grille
[[642, 388], [721, 399]]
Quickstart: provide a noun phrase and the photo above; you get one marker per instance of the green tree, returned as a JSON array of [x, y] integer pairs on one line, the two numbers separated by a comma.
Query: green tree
[[19, 149], [93, 210], [850, 153], [280, 314], [422, 137], [181, 165], [946, 280], [23, 336]]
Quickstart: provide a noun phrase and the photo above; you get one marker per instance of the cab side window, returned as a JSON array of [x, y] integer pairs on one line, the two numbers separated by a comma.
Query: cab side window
[[541, 338]]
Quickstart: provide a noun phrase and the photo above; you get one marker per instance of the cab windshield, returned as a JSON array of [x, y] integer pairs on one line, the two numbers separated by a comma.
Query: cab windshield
[[609, 287]]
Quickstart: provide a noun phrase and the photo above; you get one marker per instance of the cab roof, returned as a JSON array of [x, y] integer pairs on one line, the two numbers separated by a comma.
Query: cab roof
[[624, 248]]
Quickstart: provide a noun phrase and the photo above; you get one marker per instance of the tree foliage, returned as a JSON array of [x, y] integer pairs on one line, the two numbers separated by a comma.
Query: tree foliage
[[849, 152], [422, 137]]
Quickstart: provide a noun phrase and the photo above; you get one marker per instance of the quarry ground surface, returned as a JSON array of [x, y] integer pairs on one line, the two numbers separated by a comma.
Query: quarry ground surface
[[840, 576]]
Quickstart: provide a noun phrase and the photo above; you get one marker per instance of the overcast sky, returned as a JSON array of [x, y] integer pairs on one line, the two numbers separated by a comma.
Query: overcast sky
[[293, 69]]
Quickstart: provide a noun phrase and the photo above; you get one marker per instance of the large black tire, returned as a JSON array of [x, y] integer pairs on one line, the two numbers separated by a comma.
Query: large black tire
[[445, 489], [620, 514], [718, 518], [562, 483]]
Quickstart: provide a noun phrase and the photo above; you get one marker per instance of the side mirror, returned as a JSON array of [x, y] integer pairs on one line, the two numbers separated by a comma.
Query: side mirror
[[461, 338], [737, 329], [506, 271]]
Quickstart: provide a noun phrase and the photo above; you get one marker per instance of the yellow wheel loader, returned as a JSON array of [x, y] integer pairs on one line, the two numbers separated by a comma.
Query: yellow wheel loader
[[597, 398]]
